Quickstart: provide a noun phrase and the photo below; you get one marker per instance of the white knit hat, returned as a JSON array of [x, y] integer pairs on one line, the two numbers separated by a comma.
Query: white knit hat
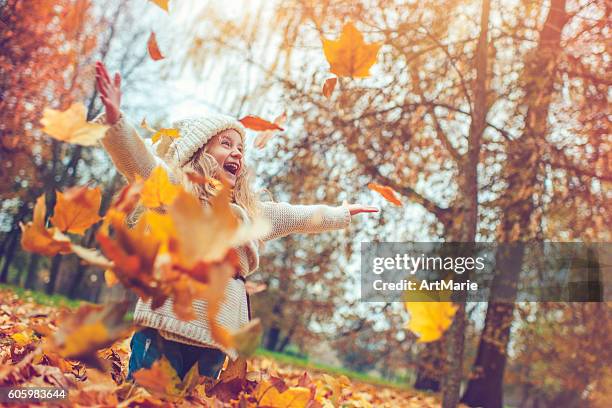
[[194, 133]]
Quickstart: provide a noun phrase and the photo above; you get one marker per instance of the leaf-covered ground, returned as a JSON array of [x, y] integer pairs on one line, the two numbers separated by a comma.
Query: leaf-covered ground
[[26, 325]]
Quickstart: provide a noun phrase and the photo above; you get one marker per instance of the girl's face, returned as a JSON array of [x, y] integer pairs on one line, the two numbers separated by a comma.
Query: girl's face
[[227, 148]]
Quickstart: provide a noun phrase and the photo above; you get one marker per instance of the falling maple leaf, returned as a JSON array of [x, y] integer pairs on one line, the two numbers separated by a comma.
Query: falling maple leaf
[[158, 190], [71, 126], [429, 320], [258, 124], [171, 133], [88, 329], [328, 86], [350, 55], [262, 138], [163, 4], [39, 239], [153, 49], [160, 379], [387, 192], [77, 209], [269, 395]]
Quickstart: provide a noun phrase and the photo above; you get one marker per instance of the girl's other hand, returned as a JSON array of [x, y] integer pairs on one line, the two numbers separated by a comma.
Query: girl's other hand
[[358, 208], [110, 92]]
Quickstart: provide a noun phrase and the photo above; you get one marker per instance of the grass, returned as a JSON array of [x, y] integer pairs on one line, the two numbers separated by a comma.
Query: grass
[[42, 298], [353, 375], [59, 300]]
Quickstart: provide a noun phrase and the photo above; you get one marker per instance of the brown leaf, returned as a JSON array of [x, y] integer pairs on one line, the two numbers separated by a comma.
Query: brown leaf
[[160, 379], [329, 86]]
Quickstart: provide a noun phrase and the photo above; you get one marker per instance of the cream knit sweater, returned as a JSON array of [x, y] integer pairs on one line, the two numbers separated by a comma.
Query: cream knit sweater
[[132, 156]]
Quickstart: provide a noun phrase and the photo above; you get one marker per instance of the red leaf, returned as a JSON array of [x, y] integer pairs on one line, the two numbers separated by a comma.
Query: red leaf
[[154, 52], [258, 124]]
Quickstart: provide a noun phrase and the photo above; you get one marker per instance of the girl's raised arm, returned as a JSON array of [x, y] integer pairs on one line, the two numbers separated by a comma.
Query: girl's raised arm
[[126, 148]]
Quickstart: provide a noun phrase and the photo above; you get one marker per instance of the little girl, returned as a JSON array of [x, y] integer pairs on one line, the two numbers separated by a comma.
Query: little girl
[[213, 146]]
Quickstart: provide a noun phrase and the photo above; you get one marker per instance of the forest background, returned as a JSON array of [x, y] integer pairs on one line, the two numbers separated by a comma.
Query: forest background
[[490, 120]]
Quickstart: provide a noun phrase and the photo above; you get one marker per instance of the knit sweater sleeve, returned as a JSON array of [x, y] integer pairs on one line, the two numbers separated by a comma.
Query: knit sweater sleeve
[[128, 150], [288, 218]]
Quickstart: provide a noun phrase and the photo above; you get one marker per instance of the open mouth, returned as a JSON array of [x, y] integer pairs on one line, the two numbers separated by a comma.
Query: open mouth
[[231, 168]]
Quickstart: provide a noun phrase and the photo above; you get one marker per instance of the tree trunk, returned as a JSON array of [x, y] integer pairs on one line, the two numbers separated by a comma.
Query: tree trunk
[[485, 389], [53, 274], [287, 339], [9, 254], [272, 338], [32, 271]]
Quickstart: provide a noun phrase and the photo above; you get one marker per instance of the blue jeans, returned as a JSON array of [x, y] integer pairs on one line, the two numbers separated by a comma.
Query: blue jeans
[[148, 345]]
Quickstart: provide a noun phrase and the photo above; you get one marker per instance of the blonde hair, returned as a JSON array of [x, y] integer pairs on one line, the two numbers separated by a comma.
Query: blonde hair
[[205, 165]]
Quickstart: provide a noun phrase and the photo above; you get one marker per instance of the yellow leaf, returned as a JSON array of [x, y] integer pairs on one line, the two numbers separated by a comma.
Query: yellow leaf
[[160, 227], [165, 132], [77, 209], [71, 126], [293, 397], [429, 320], [23, 338], [110, 278], [163, 4], [350, 55], [158, 190]]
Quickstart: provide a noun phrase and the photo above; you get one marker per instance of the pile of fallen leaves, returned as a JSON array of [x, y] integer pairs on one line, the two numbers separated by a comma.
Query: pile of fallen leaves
[[30, 357]]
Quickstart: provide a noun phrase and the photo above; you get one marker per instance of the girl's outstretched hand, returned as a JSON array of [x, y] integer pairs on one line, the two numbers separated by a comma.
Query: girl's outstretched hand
[[358, 208], [110, 92]]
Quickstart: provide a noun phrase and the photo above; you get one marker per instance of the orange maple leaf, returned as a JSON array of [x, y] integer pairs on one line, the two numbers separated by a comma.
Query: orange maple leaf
[[258, 124], [387, 192], [163, 4], [46, 241], [350, 55], [158, 190], [71, 126], [262, 138], [77, 209]]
